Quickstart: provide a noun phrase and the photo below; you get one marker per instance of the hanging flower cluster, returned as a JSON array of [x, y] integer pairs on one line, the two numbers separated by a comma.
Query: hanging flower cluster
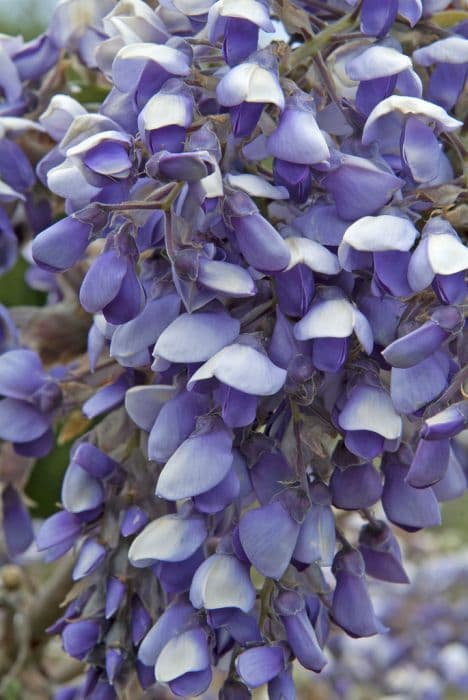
[[252, 249]]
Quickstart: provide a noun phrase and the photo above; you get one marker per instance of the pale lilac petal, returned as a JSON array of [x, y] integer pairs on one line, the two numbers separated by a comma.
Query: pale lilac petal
[[259, 665], [171, 623], [332, 318], [404, 106], [186, 653], [201, 462], [369, 408], [268, 536], [377, 62], [196, 337], [174, 423], [312, 254], [21, 374], [256, 186], [80, 490], [249, 82], [222, 581], [453, 49], [225, 278], [169, 538], [21, 422], [142, 331], [143, 403], [243, 368], [414, 387]]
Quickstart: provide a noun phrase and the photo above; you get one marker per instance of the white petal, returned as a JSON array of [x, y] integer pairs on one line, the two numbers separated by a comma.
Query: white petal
[[377, 62], [332, 318], [380, 233], [256, 186], [243, 368], [447, 254], [312, 254], [369, 408], [428, 111]]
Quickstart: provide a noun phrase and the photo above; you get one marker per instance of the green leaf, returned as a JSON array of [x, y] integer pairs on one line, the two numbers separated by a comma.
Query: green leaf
[[15, 292], [449, 18], [45, 482], [12, 690]]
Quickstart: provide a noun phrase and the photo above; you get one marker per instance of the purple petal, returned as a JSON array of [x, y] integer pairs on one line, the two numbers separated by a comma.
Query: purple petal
[[359, 187], [413, 388], [174, 423], [420, 150], [143, 403], [268, 536], [17, 526], [191, 683], [102, 281], [196, 337], [352, 607], [141, 332], [115, 593], [430, 463], [219, 497], [356, 487], [404, 505], [201, 462], [316, 539], [21, 422], [169, 624], [91, 556], [259, 665], [61, 245], [80, 637], [381, 553], [57, 528], [80, 490], [21, 374], [260, 243], [298, 139]]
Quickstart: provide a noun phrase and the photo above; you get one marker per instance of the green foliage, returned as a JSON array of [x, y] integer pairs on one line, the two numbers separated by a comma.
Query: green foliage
[[14, 290]]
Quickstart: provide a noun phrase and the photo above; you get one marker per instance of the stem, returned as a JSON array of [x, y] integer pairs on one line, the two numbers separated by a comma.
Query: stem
[[368, 515], [46, 606], [328, 82], [265, 598], [310, 48], [340, 536], [163, 204], [256, 313], [301, 467]]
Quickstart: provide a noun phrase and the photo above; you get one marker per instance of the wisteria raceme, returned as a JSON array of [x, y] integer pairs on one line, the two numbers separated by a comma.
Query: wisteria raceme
[[248, 220]]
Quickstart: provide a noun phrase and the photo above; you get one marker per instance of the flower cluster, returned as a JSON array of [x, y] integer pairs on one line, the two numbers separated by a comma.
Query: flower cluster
[[262, 240]]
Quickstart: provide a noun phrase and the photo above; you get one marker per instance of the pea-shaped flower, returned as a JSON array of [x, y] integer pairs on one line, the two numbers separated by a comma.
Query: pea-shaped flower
[[31, 398], [440, 259], [239, 23], [330, 322], [247, 88], [449, 57], [164, 119]]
